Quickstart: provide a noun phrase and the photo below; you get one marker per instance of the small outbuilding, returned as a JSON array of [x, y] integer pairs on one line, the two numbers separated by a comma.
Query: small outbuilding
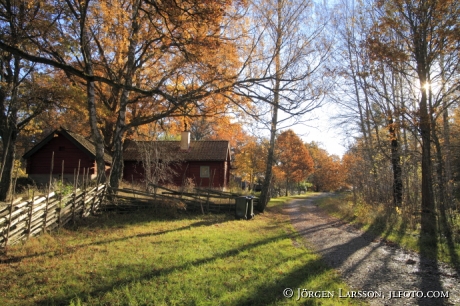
[[71, 151]]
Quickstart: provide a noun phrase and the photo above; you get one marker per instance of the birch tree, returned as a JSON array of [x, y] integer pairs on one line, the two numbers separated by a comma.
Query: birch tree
[[285, 73]]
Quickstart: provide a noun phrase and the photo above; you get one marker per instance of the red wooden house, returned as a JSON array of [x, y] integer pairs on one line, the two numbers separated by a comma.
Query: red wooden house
[[69, 148], [206, 163]]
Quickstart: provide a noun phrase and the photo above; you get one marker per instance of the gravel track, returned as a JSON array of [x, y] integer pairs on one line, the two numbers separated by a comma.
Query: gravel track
[[369, 263]]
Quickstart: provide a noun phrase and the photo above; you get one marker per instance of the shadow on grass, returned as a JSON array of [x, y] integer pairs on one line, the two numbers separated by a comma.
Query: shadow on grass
[[120, 220], [101, 290], [448, 237], [272, 294], [429, 268], [72, 249]]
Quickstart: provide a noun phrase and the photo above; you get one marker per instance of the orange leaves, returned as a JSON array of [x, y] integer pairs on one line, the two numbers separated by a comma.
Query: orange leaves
[[294, 162], [329, 173], [173, 47]]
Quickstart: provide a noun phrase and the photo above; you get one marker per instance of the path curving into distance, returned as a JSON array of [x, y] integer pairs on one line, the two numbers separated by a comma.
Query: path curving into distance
[[369, 264]]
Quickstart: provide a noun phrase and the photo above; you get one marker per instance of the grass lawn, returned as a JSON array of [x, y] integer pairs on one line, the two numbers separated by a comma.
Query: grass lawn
[[143, 259]]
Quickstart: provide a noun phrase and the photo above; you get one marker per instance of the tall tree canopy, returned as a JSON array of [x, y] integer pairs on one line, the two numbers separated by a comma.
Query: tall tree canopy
[[25, 88], [400, 83], [140, 61]]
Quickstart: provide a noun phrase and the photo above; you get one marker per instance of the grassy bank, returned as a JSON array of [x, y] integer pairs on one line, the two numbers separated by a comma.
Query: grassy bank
[[376, 221], [143, 259]]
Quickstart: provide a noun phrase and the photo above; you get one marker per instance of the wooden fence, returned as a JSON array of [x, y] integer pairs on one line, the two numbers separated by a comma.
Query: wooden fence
[[201, 200], [22, 220]]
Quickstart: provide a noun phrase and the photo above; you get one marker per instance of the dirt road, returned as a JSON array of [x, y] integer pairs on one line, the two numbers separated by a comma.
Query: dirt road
[[372, 266]]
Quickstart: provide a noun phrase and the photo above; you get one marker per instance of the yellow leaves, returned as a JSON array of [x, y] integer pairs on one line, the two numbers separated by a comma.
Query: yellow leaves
[[31, 4], [250, 158], [113, 24]]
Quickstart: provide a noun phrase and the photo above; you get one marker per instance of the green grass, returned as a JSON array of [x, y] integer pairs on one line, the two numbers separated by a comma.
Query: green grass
[[376, 221], [142, 259]]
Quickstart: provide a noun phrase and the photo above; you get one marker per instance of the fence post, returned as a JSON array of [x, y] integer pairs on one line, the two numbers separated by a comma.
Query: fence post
[[132, 186], [207, 200], [11, 211], [87, 187], [103, 192], [45, 217], [83, 193], [95, 194], [30, 214], [75, 192], [9, 225], [59, 209]]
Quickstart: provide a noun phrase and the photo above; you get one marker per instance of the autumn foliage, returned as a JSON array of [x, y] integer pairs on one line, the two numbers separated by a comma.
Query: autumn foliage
[[329, 172], [293, 161], [297, 164]]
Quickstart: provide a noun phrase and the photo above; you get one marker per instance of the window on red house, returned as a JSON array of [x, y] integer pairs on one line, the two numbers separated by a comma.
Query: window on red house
[[204, 171]]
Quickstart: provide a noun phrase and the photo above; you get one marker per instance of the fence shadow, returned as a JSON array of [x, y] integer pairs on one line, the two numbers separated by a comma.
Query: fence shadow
[[69, 250], [264, 294]]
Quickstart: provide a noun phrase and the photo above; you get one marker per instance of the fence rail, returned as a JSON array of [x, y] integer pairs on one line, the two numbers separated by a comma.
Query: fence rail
[[22, 220], [204, 200]]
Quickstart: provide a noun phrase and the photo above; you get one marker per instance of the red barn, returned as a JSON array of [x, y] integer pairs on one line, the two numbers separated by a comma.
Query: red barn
[[205, 163], [70, 148]]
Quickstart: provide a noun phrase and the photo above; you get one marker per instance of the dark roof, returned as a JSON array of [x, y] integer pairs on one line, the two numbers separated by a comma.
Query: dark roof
[[203, 150], [80, 141]]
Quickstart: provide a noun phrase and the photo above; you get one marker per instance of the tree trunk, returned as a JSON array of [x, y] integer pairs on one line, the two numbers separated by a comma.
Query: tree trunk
[[394, 140], [287, 186], [120, 127], [9, 150], [396, 164], [264, 195], [90, 92], [428, 221], [117, 158], [421, 49], [96, 133], [265, 192], [446, 135], [9, 125]]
